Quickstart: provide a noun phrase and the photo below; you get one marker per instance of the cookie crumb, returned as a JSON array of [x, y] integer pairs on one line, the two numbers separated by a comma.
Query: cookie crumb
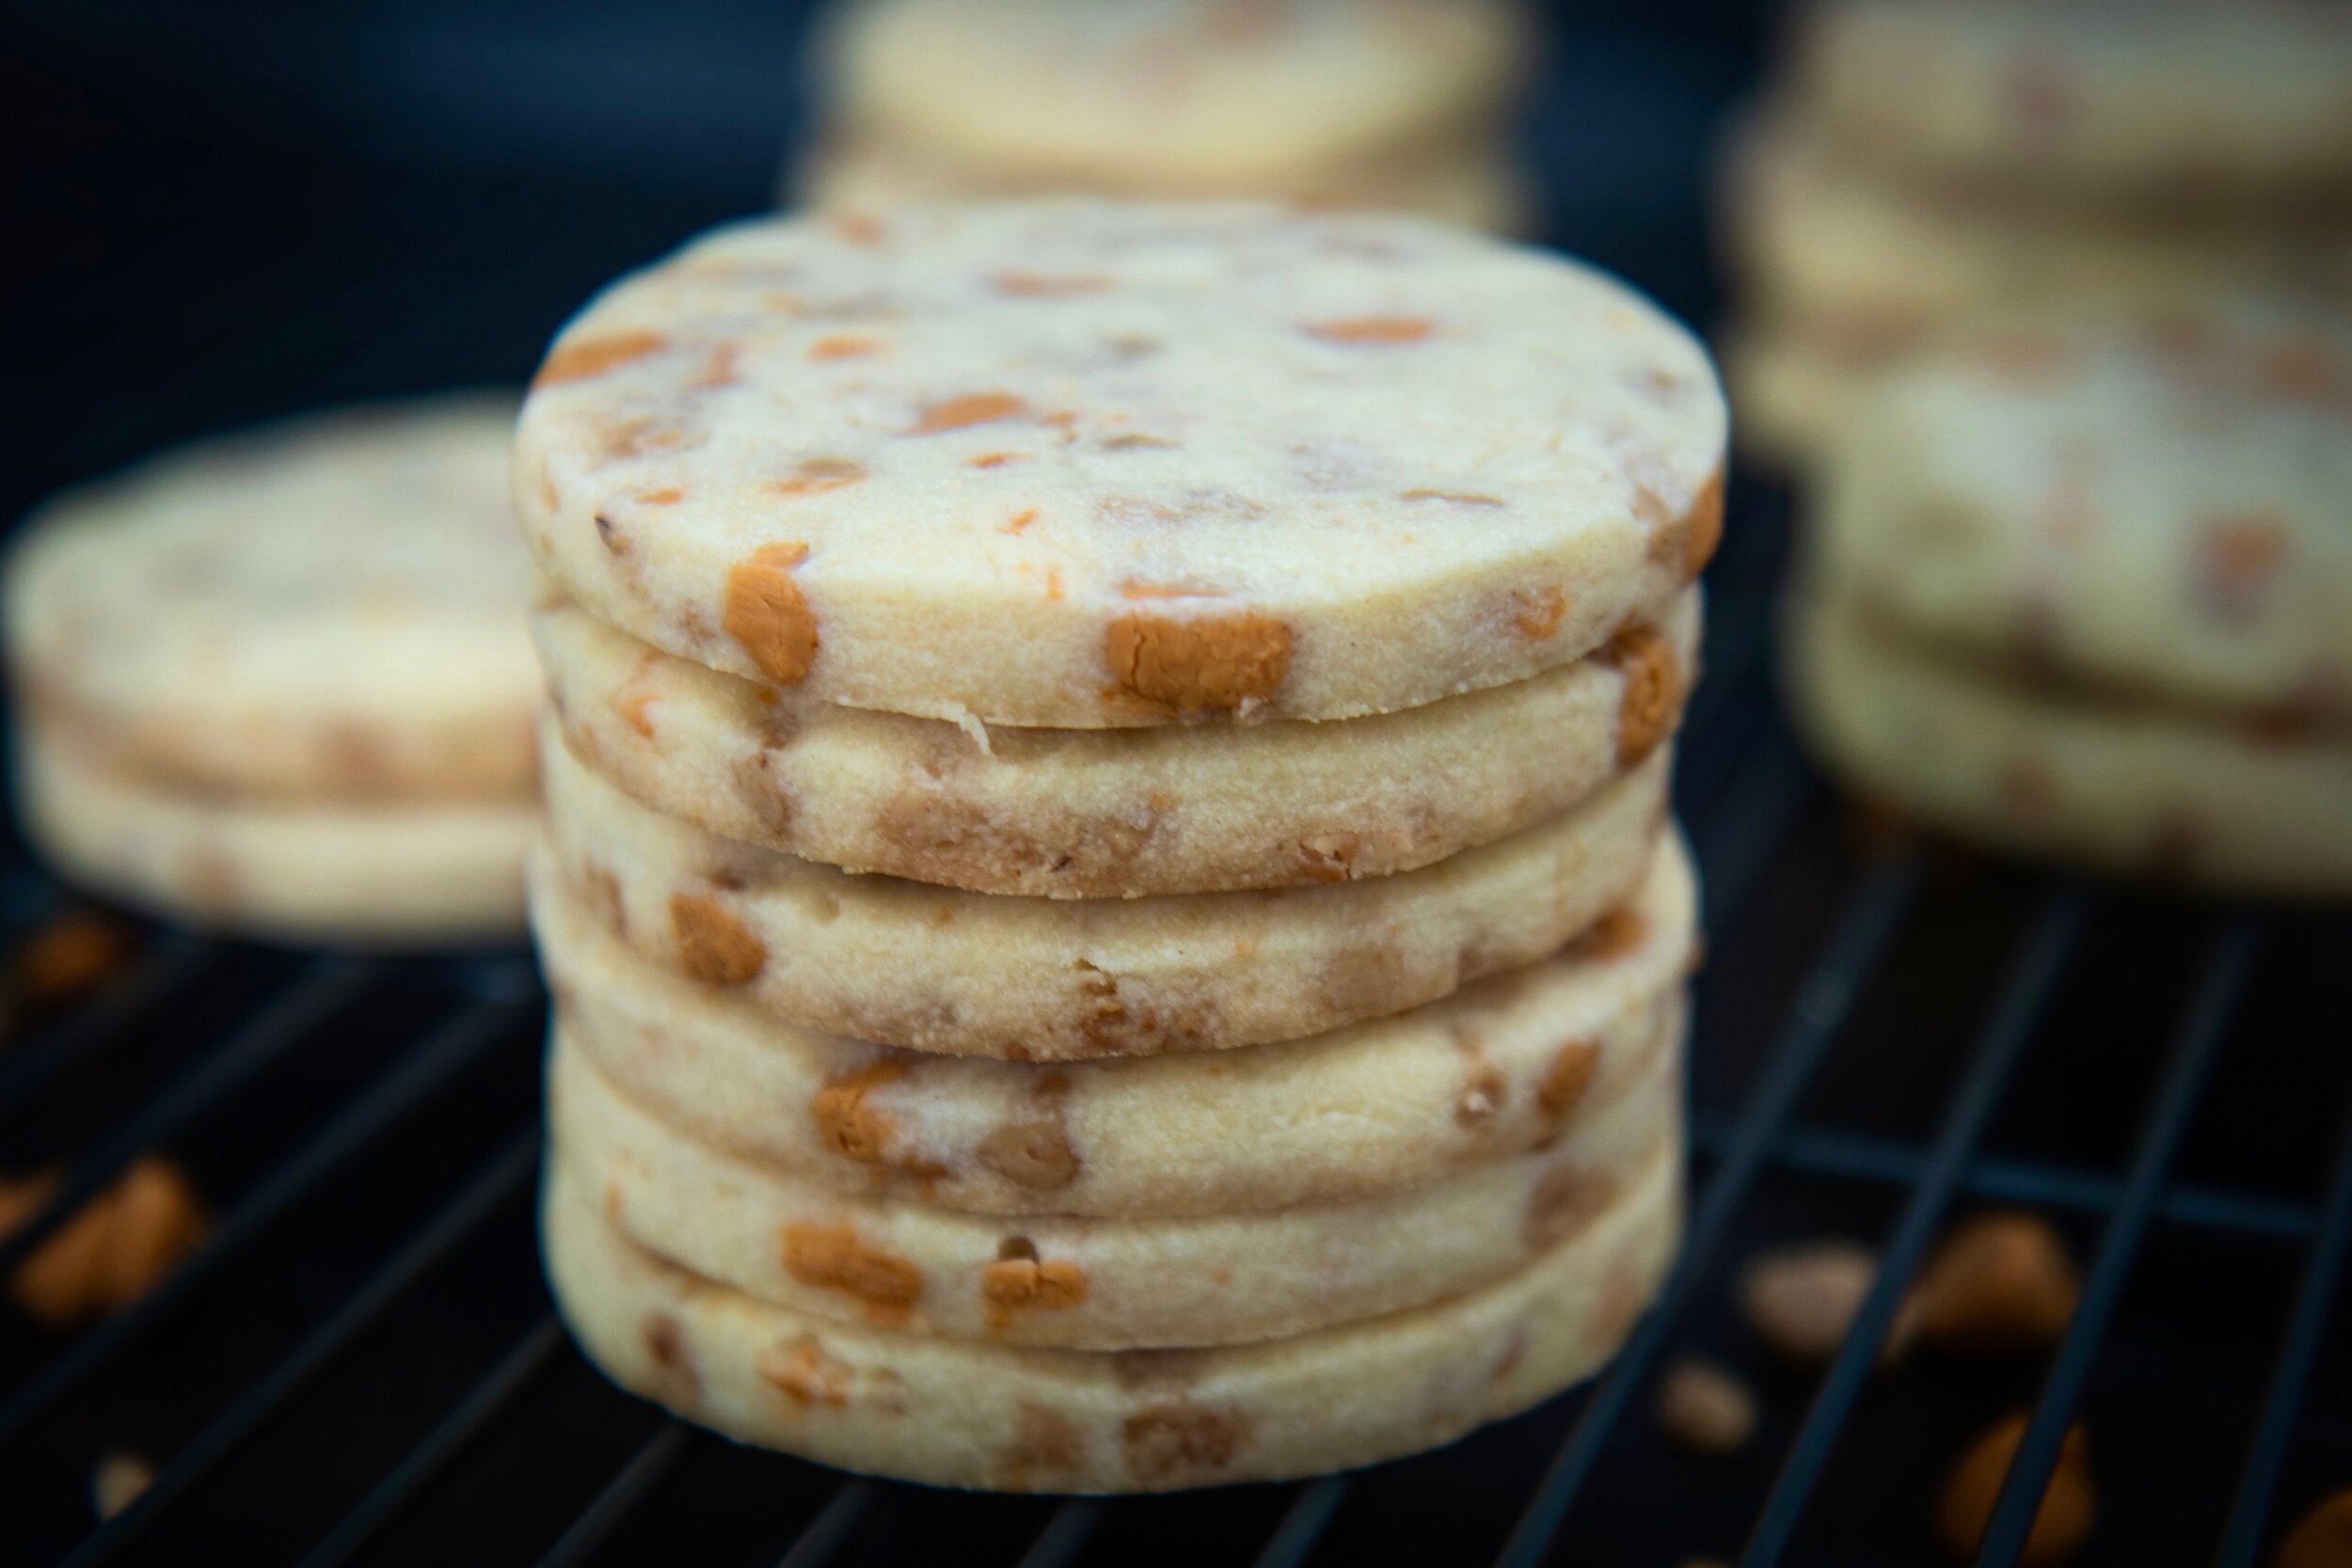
[[112, 1249], [1801, 1299], [118, 1480], [1705, 1407], [2069, 1506], [2323, 1537], [2000, 1281]]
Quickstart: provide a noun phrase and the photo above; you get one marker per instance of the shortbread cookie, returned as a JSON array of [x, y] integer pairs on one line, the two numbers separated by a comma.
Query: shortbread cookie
[[1110, 812], [1489, 1072], [1467, 181], [1836, 248], [326, 608], [2176, 100], [958, 1413], [1086, 1283], [1199, 97], [2124, 785], [1041, 979], [294, 870], [1790, 393], [2159, 507], [1084, 464]]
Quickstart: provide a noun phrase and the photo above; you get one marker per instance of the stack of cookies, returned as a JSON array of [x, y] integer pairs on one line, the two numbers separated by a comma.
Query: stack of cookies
[[277, 683], [1385, 103], [1928, 159], [2084, 587], [1110, 900]]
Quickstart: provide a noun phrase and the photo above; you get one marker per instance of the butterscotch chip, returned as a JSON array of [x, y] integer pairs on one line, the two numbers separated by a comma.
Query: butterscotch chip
[[1075, 405], [2060, 1525], [712, 945], [1705, 1407], [2000, 1281], [836, 1259], [2323, 1538], [766, 615], [1801, 1299], [1653, 690]]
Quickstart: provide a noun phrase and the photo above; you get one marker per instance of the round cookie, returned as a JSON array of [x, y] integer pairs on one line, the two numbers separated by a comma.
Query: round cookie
[[1081, 463], [1068, 813], [2177, 100], [1176, 96], [1790, 393], [1841, 248], [369, 872], [956, 1414], [2125, 786], [2158, 507], [1039, 979], [329, 607], [1088, 1283], [1488, 1071], [1468, 181]]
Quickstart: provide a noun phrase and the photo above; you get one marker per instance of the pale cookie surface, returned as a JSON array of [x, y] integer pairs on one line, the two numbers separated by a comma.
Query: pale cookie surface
[[367, 872], [1083, 464], [1000, 1417], [1840, 247], [2160, 507], [1041, 979], [1467, 180], [2177, 100], [1088, 1283], [2141, 789], [1491, 1070], [1790, 393], [327, 608], [1067, 814], [1181, 96]]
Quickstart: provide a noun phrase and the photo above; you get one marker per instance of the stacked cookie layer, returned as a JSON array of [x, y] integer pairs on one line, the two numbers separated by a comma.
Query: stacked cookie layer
[[278, 684], [1381, 103], [1109, 892], [1928, 161], [2084, 587]]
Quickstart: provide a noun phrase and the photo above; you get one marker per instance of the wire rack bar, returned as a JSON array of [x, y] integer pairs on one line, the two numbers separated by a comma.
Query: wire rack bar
[[445, 1054], [516, 1372], [2307, 1328], [1304, 1523], [2221, 977], [619, 1498], [282, 1024], [1874, 911], [834, 1522], [1065, 1534], [1890, 1162], [506, 1174], [2032, 979], [1745, 826], [163, 968]]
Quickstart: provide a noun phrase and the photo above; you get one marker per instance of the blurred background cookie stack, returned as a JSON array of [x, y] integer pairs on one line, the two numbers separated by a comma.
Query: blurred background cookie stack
[[1384, 103], [1926, 161], [1111, 905], [275, 685], [2084, 587]]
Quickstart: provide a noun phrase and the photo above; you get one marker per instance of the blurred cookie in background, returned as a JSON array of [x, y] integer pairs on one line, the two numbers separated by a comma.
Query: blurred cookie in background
[[2083, 586], [1929, 163], [1379, 103], [280, 684]]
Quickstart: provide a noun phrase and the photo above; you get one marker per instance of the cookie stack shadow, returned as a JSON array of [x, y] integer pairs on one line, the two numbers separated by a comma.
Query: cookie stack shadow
[[1209, 1095]]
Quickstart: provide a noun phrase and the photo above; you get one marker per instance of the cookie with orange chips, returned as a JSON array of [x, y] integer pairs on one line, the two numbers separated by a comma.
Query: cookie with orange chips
[[279, 681], [1488, 1072], [1041, 979], [1068, 814], [1084, 464], [2152, 505], [1085, 1282], [871, 1397]]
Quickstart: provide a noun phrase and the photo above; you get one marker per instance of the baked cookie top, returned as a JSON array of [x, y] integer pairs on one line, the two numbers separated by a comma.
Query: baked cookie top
[[2156, 505], [332, 605], [1085, 464], [2181, 101], [1186, 94]]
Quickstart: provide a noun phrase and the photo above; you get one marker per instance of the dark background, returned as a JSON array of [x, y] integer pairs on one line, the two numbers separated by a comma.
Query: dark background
[[217, 212]]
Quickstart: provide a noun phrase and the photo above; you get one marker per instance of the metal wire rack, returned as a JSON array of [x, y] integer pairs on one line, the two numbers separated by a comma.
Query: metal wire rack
[[360, 1365]]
